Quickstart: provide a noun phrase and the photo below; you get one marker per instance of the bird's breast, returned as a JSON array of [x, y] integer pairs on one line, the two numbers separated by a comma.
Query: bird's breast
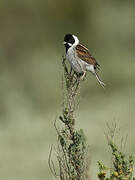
[[74, 61]]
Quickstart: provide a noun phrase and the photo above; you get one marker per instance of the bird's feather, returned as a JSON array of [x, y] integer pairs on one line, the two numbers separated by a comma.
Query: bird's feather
[[85, 55]]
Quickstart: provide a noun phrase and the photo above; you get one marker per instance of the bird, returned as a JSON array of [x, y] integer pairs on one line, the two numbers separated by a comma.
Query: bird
[[80, 58]]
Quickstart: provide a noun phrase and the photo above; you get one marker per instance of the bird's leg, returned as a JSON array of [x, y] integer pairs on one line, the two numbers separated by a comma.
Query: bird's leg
[[83, 76], [99, 80]]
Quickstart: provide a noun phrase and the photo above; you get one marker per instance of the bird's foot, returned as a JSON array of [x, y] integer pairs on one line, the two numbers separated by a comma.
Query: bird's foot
[[102, 84], [82, 77]]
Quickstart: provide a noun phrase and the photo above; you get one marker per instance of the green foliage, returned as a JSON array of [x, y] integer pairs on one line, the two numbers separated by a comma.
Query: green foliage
[[122, 166]]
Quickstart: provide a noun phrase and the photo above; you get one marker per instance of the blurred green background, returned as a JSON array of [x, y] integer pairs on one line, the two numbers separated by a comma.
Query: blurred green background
[[31, 36]]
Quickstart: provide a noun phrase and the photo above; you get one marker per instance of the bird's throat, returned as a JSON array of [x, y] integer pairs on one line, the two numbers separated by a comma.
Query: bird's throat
[[67, 46]]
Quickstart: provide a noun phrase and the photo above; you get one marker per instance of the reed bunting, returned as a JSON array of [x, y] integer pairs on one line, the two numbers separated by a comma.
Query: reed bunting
[[80, 57]]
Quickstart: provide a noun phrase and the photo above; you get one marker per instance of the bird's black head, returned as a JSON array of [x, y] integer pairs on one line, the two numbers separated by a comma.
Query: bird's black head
[[68, 41]]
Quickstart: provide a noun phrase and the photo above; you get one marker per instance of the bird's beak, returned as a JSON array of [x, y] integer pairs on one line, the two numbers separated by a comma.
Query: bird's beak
[[64, 42]]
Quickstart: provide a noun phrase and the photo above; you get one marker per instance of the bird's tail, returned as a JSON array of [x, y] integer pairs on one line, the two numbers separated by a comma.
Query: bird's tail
[[99, 80]]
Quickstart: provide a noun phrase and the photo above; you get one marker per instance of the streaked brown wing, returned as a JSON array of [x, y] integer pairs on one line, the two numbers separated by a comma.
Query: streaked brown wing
[[84, 54]]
